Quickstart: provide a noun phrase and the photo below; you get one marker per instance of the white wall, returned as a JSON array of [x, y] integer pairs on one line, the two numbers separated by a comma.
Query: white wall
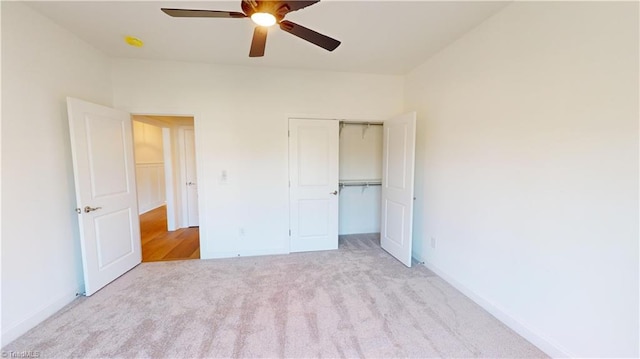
[[41, 65], [241, 121], [149, 157], [147, 141], [528, 172], [360, 159]]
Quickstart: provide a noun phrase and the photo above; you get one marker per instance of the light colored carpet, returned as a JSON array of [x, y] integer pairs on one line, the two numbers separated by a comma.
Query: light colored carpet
[[354, 302]]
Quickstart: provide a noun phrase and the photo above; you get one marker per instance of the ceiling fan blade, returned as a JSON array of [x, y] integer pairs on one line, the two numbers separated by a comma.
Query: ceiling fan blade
[[313, 37], [259, 41], [202, 13], [294, 5]]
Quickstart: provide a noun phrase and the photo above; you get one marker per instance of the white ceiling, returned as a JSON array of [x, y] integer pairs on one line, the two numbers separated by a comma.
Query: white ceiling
[[384, 37]]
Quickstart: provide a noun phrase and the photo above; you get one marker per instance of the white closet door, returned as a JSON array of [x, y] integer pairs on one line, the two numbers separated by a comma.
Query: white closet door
[[398, 162], [313, 193]]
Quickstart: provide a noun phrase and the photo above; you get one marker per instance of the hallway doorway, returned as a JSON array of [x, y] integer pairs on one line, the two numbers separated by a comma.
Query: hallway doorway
[[166, 181]]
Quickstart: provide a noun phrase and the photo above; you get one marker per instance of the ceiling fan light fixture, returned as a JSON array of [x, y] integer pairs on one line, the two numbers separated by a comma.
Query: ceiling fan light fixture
[[263, 19]]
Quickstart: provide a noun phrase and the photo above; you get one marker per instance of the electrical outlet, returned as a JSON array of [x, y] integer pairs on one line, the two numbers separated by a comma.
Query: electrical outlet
[[223, 177], [433, 242], [241, 231]]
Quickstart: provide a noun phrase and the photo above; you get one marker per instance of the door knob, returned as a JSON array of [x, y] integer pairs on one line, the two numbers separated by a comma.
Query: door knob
[[334, 193], [88, 209]]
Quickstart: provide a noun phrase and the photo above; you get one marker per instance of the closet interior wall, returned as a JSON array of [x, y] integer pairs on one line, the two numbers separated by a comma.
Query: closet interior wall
[[360, 175]]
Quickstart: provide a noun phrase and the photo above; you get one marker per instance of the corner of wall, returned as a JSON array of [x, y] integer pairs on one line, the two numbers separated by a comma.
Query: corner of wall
[[543, 343], [38, 315]]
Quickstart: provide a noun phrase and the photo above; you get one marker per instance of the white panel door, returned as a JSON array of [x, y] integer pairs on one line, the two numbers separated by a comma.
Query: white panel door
[[313, 194], [398, 162], [104, 172], [191, 177]]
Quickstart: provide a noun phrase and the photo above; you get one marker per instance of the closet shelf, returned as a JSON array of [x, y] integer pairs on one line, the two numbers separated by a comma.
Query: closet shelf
[[365, 125]]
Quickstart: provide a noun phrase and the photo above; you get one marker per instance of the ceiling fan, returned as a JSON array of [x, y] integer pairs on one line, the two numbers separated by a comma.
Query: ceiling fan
[[265, 13]]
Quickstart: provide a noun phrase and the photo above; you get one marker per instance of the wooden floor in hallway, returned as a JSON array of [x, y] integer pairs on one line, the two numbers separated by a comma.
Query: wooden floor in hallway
[[160, 245]]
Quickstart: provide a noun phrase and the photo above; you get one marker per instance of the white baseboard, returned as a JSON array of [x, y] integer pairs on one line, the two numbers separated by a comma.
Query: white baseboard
[[538, 339], [244, 253], [151, 208], [15, 330]]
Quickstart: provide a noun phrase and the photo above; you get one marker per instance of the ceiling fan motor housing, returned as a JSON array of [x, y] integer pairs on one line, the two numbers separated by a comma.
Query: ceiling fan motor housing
[[276, 8]]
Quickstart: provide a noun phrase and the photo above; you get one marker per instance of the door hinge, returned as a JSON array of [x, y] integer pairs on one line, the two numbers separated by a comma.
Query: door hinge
[[289, 233], [288, 133]]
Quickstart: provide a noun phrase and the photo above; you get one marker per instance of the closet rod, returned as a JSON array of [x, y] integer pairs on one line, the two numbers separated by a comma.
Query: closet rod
[[359, 184], [361, 123]]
